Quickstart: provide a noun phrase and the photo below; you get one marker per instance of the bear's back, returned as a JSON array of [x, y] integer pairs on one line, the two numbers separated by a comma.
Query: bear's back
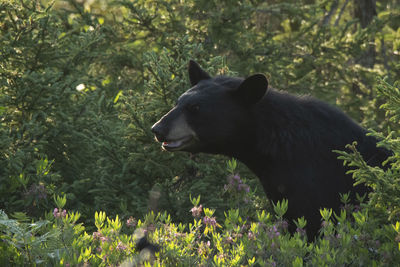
[[296, 137]]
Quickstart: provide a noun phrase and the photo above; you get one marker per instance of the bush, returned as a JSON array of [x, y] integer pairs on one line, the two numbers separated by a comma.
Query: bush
[[360, 235], [81, 83], [83, 102], [244, 236]]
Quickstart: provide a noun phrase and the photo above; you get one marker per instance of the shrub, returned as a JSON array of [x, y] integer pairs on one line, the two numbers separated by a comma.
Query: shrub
[[81, 83]]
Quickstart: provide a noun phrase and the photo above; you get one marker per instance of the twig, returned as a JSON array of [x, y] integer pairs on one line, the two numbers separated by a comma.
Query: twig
[[384, 56], [327, 18], [341, 12]]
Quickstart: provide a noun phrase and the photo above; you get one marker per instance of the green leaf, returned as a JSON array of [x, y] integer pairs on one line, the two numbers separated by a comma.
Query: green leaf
[[60, 201], [117, 96]]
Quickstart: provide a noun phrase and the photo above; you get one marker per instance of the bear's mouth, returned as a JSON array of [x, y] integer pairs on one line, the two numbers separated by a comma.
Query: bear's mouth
[[179, 144]]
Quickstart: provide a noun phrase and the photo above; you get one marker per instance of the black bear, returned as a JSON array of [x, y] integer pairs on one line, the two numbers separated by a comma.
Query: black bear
[[286, 140]]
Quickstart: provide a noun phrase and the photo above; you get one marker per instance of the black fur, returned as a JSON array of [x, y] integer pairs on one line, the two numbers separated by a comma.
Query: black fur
[[286, 140]]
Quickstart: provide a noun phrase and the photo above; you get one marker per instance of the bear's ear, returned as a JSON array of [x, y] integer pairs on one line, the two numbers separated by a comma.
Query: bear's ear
[[252, 89], [196, 73]]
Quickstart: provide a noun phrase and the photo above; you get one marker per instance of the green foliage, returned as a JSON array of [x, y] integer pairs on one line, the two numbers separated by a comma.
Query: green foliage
[[60, 241], [392, 96], [77, 110], [385, 183], [369, 236], [383, 204], [281, 207], [81, 83]]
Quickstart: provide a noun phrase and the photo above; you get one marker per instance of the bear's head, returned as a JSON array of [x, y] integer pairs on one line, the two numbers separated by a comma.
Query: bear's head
[[214, 116]]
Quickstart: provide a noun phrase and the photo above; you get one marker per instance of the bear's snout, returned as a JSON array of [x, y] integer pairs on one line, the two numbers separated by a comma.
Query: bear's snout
[[159, 132], [173, 131]]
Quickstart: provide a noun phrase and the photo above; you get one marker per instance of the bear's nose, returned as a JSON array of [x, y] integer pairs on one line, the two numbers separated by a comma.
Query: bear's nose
[[157, 130]]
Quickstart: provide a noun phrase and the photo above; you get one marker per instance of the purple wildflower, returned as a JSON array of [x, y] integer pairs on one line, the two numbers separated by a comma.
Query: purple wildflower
[[55, 213], [244, 187], [196, 211], [273, 232], [59, 214], [97, 235], [234, 180], [247, 189], [209, 221], [251, 236], [121, 246], [239, 235], [301, 231], [284, 224], [131, 222], [237, 178], [236, 184]]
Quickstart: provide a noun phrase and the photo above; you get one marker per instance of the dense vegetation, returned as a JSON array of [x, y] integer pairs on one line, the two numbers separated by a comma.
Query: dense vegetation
[[83, 81]]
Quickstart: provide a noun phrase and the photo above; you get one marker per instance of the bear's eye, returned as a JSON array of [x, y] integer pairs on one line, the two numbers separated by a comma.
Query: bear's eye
[[193, 107]]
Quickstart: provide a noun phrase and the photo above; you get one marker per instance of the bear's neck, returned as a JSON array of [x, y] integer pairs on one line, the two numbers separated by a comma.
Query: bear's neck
[[279, 128], [276, 127], [290, 129]]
